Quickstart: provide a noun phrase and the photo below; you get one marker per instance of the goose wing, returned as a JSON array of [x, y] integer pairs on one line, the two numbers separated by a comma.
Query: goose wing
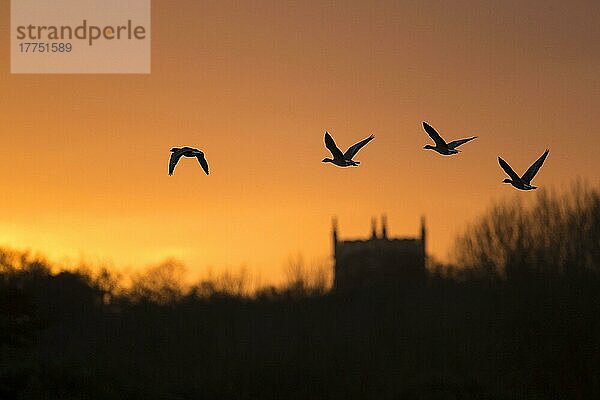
[[434, 135], [330, 144], [535, 167], [513, 175], [455, 143], [202, 161], [352, 150], [175, 156]]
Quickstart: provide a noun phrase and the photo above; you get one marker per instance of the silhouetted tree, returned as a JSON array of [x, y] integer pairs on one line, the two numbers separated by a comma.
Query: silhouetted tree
[[161, 283], [307, 280], [108, 283], [19, 323], [555, 233]]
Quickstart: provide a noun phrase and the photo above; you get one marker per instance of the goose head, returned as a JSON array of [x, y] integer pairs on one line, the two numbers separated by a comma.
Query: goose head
[[507, 181], [428, 146], [327, 160]]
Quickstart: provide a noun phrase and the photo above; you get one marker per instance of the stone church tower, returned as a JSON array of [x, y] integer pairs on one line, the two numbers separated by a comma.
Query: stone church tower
[[379, 259]]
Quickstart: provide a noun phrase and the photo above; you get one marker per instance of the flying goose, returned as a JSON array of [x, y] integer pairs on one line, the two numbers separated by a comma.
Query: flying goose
[[344, 159], [441, 146], [523, 182], [178, 152]]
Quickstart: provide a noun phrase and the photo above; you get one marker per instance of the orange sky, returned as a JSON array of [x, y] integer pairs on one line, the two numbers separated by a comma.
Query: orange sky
[[83, 158]]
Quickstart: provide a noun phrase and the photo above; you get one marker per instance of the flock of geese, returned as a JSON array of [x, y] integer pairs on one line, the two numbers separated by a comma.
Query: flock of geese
[[346, 159]]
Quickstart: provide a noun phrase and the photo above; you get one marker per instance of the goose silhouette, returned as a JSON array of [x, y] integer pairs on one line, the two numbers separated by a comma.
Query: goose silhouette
[[523, 182], [178, 152], [446, 149], [344, 159]]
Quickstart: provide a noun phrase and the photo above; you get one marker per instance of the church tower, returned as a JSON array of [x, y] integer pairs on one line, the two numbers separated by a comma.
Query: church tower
[[379, 259]]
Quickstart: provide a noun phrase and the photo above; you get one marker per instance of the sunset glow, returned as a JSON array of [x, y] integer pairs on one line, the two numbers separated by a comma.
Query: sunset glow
[[255, 85]]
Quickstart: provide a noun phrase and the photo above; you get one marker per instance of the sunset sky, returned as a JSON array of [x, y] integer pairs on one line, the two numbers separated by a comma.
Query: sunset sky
[[83, 158]]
